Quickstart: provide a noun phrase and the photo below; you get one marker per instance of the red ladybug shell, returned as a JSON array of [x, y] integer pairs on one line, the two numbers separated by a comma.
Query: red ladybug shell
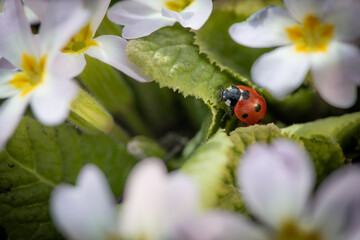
[[251, 108]]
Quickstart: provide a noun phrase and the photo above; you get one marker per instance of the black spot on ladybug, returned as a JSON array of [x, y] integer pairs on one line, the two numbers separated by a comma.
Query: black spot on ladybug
[[245, 94], [245, 115], [257, 108]]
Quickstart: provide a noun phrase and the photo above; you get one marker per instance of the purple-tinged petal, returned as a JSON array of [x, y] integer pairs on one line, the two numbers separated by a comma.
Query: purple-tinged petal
[[336, 74], [87, 210], [15, 33], [276, 181], [337, 205], [266, 28], [218, 225]]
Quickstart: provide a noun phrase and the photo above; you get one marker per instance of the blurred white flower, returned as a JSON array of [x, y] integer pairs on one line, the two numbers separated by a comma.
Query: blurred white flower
[[313, 34], [142, 17], [154, 203], [276, 183], [38, 78], [87, 211], [106, 48]]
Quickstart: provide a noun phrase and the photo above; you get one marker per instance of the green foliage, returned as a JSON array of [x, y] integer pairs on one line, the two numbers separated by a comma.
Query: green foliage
[[325, 153], [143, 147], [211, 165], [337, 128], [38, 158], [171, 59], [245, 136], [344, 130]]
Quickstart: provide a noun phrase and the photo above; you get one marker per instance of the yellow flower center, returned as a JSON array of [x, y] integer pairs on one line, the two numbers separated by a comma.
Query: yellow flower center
[[81, 41], [177, 5], [31, 76], [290, 231], [312, 36]]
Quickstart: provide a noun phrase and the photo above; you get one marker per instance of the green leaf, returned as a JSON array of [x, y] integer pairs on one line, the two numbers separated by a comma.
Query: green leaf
[[38, 158], [214, 40], [326, 154], [171, 59], [143, 147], [111, 89], [343, 130], [212, 166], [245, 136]]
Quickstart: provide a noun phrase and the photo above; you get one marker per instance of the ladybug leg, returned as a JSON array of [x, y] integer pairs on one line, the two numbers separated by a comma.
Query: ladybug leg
[[230, 114]]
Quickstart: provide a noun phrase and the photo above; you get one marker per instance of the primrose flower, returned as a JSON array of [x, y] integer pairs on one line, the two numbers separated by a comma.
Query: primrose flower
[[109, 49], [142, 17], [276, 183], [312, 34], [154, 203], [38, 78]]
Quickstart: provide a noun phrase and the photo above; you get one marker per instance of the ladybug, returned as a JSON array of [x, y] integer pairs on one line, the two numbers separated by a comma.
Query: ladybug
[[248, 105]]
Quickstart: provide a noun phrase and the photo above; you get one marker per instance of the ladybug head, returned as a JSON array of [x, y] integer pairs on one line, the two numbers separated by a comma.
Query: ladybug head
[[230, 96]]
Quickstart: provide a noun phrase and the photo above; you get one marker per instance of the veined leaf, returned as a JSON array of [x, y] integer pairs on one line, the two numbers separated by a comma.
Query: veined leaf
[[38, 158], [211, 165], [171, 59]]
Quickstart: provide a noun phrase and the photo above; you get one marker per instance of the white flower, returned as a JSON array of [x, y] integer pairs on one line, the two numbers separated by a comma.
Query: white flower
[[154, 203], [39, 79], [142, 17], [106, 48], [313, 34], [86, 211], [276, 183]]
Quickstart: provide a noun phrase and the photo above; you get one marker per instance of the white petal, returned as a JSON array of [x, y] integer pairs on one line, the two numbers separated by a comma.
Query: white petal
[[129, 12], [144, 198], [336, 4], [39, 7], [281, 71], [11, 112], [346, 22], [112, 50], [276, 181], [266, 28], [155, 4], [194, 16], [15, 33], [139, 20], [86, 211], [181, 201], [6, 89], [63, 19], [51, 101], [145, 27], [337, 206], [69, 64], [31, 16], [336, 74], [5, 64], [218, 225], [300, 9], [98, 10]]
